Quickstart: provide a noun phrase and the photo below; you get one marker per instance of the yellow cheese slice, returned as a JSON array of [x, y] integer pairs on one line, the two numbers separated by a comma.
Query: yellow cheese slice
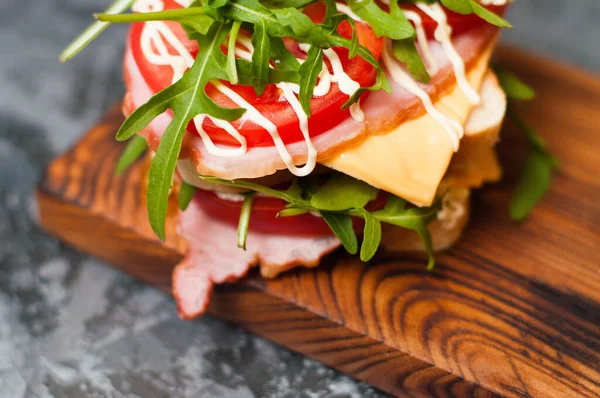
[[411, 160]]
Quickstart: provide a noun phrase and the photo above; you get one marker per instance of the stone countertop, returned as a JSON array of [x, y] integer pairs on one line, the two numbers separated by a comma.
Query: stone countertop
[[71, 326]]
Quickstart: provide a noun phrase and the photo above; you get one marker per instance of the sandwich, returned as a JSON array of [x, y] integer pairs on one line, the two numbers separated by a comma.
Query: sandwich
[[288, 129]]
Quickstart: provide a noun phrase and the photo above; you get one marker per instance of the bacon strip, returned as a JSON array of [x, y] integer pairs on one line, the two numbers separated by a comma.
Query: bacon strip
[[383, 112], [213, 257]]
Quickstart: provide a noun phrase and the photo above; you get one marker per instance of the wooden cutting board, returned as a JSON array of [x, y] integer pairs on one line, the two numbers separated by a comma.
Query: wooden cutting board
[[512, 309]]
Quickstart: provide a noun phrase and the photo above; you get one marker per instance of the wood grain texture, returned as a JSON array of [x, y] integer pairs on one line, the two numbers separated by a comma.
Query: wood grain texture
[[511, 310]]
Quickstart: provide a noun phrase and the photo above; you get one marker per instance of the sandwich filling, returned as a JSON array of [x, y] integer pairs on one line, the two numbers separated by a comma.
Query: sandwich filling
[[294, 130]]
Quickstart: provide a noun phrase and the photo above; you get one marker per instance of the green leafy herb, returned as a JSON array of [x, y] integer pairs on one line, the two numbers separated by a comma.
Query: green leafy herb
[[186, 98], [342, 192], [471, 6], [395, 211], [371, 236], [186, 193], [244, 222], [536, 175], [537, 171], [261, 56], [489, 16], [92, 32], [341, 225], [405, 51], [394, 26], [231, 66], [381, 83], [134, 149], [292, 211], [309, 71], [514, 87], [281, 57], [214, 23], [177, 15]]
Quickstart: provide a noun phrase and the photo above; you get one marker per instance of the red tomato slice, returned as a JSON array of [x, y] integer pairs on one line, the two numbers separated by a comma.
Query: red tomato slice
[[325, 110], [460, 23], [264, 215]]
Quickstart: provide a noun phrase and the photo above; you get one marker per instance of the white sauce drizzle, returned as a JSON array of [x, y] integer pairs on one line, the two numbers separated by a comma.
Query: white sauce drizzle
[[422, 41], [443, 35], [343, 8], [356, 112], [454, 129], [495, 2], [153, 38], [155, 33]]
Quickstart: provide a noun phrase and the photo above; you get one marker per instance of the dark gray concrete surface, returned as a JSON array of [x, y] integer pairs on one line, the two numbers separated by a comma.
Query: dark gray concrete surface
[[71, 326]]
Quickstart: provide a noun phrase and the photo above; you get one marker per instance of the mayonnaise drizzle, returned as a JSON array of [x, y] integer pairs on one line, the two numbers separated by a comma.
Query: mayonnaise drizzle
[[431, 63], [153, 38], [443, 35], [156, 33], [495, 2], [454, 129]]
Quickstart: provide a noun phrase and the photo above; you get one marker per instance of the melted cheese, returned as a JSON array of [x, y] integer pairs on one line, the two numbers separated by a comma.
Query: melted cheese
[[411, 160]]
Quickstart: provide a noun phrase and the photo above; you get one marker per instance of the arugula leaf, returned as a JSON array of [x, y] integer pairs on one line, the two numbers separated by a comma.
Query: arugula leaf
[[176, 15], [93, 31], [459, 6], [514, 87], [244, 222], [533, 184], [330, 11], [216, 3], [427, 245], [394, 26], [536, 174], [294, 191], [261, 56], [342, 192], [292, 211], [381, 83], [134, 149], [406, 52], [276, 4], [337, 40], [371, 236], [281, 57], [289, 22], [231, 66], [186, 193], [186, 98], [309, 72], [489, 16], [193, 19], [341, 225], [396, 213], [471, 6], [353, 49]]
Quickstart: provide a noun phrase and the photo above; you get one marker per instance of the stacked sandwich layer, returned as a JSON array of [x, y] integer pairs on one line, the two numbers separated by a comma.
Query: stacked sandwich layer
[[425, 145]]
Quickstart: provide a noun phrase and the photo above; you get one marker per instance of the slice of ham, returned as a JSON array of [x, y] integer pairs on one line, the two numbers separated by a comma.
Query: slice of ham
[[383, 112], [213, 258]]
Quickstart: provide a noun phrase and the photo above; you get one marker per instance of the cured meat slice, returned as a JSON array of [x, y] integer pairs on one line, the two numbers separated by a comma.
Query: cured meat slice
[[383, 112], [213, 258]]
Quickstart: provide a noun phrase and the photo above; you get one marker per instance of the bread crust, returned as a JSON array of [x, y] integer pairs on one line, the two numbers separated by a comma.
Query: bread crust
[[444, 232]]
